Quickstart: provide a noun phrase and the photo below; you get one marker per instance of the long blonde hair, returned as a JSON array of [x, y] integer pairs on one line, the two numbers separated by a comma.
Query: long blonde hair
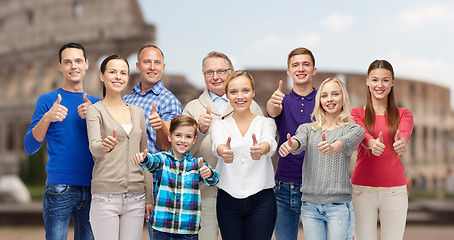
[[318, 117]]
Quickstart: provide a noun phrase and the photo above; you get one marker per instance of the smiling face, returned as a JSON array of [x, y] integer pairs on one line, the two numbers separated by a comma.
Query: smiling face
[[240, 93], [151, 67], [115, 76], [73, 65], [181, 140], [331, 99], [380, 82], [301, 69], [213, 79]]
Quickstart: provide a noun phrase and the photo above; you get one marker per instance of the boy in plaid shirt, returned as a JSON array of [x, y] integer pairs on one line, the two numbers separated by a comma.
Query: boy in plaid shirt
[[178, 205]]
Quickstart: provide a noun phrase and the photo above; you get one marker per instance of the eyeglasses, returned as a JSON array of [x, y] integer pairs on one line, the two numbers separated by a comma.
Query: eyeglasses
[[220, 72]]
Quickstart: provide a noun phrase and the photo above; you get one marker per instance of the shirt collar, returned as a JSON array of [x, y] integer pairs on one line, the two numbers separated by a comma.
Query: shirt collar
[[187, 156], [214, 96], [156, 89], [309, 96]]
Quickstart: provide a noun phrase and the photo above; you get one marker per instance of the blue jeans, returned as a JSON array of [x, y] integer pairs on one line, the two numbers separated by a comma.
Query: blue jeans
[[288, 199], [336, 218], [247, 218], [60, 203], [158, 235]]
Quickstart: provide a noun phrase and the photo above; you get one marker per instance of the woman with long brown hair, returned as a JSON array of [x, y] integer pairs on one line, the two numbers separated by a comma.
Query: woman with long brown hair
[[378, 177]]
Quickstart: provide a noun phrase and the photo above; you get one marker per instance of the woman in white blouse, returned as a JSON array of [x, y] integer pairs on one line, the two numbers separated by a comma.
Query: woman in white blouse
[[244, 144]]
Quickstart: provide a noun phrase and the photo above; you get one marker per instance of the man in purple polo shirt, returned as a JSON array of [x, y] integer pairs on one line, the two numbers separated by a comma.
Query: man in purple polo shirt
[[289, 111]]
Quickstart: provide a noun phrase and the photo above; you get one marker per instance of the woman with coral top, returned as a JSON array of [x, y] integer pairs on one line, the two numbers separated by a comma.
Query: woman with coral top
[[378, 177]]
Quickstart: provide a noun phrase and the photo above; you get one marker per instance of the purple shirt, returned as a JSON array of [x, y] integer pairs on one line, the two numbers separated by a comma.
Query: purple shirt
[[296, 110]]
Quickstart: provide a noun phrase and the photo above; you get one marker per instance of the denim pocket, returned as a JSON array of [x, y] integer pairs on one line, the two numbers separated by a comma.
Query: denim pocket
[[100, 198], [56, 189], [357, 191], [399, 191], [139, 196]]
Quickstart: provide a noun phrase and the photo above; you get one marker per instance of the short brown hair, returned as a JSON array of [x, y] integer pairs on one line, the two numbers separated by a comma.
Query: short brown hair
[[149, 46], [236, 74], [182, 120], [300, 51]]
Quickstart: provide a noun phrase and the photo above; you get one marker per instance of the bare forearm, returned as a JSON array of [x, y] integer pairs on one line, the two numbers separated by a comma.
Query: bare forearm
[[162, 140]]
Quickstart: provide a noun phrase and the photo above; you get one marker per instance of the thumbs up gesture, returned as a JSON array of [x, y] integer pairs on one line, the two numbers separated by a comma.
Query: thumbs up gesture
[[287, 146], [139, 157], [400, 144], [154, 119], [57, 112], [278, 96], [256, 151], [82, 108], [274, 104], [325, 147], [205, 171], [227, 153], [110, 142], [205, 120], [378, 147]]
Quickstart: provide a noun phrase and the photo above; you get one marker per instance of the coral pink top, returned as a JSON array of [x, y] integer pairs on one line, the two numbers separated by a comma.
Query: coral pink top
[[385, 170]]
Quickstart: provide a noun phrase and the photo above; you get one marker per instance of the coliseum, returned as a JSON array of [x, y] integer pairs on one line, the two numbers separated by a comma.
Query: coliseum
[[33, 31]]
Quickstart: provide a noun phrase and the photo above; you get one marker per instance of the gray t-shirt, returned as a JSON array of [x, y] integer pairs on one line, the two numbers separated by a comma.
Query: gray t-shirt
[[325, 177]]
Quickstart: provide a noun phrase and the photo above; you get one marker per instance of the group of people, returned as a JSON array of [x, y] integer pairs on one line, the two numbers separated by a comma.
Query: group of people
[[117, 160]]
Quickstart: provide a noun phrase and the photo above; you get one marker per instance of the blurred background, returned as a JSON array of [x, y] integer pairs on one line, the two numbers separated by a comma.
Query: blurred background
[[345, 37]]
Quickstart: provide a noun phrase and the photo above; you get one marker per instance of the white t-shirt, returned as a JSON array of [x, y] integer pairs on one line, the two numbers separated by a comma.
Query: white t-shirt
[[244, 177]]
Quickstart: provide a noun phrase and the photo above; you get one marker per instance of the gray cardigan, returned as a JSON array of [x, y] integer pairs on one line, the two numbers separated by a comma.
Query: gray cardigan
[[114, 172], [325, 177], [202, 147]]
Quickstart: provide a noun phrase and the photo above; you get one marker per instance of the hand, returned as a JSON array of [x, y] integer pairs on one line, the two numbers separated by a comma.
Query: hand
[[205, 121], [400, 144], [57, 112], [110, 142], [325, 147], [379, 146], [154, 119], [278, 96], [139, 157], [205, 171], [148, 209], [256, 151], [82, 108], [227, 154], [287, 146]]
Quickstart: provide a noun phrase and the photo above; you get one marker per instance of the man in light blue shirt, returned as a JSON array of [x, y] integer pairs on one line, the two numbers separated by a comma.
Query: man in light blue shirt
[[159, 104], [211, 105]]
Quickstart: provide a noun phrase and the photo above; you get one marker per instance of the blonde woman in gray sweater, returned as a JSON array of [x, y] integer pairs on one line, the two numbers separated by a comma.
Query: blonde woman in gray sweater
[[329, 142], [116, 132]]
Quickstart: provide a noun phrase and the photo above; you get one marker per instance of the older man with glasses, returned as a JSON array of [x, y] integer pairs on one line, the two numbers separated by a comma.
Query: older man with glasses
[[211, 105]]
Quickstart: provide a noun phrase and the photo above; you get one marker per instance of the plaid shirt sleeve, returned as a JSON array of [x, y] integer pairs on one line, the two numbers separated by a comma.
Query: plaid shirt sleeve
[[178, 203]]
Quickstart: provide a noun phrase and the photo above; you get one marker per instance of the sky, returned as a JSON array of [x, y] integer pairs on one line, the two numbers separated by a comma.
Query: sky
[[416, 36]]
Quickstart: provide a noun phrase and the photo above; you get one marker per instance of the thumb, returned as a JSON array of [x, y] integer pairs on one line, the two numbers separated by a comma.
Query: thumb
[[380, 137], [114, 133], [228, 142], [144, 154], [153, 108], [86, 98], [254, 140], [209, 110], [201, 163], [58, 99], [289, 140], [280, 86], [323, 137], [397, 136]]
